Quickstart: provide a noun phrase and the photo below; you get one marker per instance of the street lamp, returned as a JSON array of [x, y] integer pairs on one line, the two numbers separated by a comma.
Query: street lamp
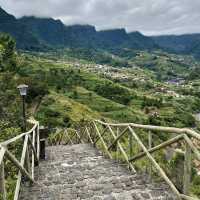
[[23, 92]]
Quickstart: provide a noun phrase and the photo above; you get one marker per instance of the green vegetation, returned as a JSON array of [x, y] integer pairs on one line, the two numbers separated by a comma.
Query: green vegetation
[[60, 87], [84, 74], [65, 90]]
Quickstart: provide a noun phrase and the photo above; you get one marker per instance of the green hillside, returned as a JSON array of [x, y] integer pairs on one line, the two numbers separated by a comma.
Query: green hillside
[[122, 94], [66, 90]]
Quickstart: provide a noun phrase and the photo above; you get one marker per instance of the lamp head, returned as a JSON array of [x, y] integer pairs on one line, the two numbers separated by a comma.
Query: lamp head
[[23, 89]]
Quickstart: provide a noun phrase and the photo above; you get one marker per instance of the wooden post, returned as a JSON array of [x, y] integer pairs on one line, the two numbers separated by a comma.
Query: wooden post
[[156, 165], [89, 136], [94, 132], [12, 158], [27, 160], [117, 146], [2, 182], [102, 140], [130, 146], [38, 142], [150, 146], [187, 170], [33, 158], [42, 149], [22, 162], [121, 149]]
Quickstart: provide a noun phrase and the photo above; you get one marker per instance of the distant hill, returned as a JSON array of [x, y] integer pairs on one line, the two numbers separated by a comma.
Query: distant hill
[[112, 38], [47, 30], [31, 32], [34, 33], [54, 32], [25, 38], [147, 42], [183, 44]]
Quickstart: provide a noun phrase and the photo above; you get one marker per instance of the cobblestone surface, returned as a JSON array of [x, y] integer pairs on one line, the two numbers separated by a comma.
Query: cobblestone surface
[[81, 172]]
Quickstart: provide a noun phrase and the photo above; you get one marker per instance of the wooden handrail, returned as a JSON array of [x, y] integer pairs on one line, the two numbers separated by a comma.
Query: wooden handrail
[[89, 136], [33, 149], [2, 182], [2, 175], [30, 138], [118, 138], [79, 137], [156, 128], [7, 142], [194, 149], [102, 140], [33, 154], [69, 139], [184, 134], [17, 189], [185, 197], [158, 147], [12, 158], [102, 134], [122, 150], [2, 153], [156, 165]]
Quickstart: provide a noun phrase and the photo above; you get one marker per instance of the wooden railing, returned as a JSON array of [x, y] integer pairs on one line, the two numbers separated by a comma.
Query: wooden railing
[[29, 158], [65, 136], [109, 135]]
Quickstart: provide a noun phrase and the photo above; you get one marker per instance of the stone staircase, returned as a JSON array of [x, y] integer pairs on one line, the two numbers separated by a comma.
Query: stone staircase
[[80, 172]]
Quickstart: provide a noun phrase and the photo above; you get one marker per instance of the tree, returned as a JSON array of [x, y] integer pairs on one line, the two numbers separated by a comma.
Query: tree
[[7, 53]]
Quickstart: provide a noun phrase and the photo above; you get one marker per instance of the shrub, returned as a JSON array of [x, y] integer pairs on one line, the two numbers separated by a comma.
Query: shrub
[[114, 92], [51, 113]]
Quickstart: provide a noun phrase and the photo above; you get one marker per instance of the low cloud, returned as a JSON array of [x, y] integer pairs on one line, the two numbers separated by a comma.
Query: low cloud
[[151, 17]]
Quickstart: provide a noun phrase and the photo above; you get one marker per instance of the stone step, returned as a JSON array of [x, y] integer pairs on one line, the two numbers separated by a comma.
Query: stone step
[[81, 172]]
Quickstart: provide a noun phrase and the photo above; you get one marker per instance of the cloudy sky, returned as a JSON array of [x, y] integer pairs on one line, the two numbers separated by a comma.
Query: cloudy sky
[[151, 17]]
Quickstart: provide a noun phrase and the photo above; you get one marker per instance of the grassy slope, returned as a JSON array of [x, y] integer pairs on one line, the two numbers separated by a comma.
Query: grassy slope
[[68, 103], [58, 109], [82, 100]]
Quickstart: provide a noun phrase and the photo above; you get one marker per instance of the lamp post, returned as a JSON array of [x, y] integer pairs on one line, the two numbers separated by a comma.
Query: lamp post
[[23, 92]]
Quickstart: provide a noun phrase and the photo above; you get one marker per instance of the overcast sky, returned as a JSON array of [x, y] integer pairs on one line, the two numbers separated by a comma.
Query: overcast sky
[[151, 17]]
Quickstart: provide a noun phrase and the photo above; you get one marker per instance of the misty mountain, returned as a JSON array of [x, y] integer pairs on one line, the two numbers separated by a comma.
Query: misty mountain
[[42, 33], [31, 32], [181, 44], [24, 37], [47, 30], [54, 32]]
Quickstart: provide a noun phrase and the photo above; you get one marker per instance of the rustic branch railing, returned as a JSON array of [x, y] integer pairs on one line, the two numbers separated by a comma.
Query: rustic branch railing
[[100, 135], [25, 167], [111, 138]]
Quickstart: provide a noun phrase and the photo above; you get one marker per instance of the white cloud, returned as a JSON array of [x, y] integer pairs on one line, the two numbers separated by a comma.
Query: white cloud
[[151, 17]]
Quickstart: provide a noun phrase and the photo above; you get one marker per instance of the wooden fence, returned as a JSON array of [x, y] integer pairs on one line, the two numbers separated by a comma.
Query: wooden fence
[[109, 136], [29, 158], [99, 132]]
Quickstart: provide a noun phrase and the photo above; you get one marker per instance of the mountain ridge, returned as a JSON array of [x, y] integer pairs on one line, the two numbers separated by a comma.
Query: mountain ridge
[[36, 33], [184, 44], [51, 32], [9, 24]]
